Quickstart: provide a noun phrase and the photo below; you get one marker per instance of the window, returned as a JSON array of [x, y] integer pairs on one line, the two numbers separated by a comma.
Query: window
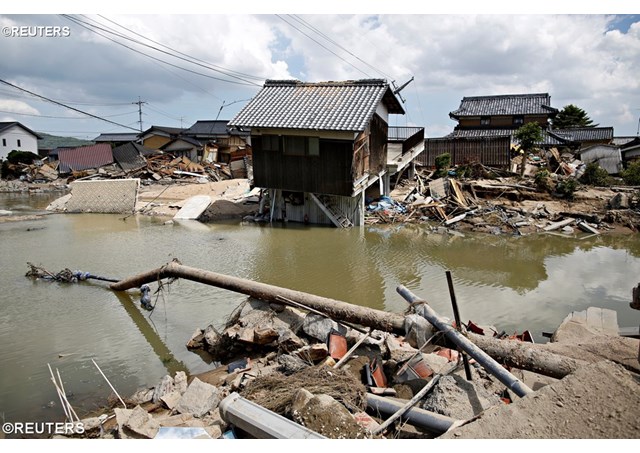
[[294, 145], [19, 145], [518, 120], [271, 143], [314, 146], [485, 120], [4, 142]]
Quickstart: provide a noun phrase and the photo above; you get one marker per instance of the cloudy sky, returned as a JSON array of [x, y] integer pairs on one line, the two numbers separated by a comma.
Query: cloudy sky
[[207, 65]]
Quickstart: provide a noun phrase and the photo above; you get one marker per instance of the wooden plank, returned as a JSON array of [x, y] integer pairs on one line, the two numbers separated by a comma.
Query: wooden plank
[[558, 225]]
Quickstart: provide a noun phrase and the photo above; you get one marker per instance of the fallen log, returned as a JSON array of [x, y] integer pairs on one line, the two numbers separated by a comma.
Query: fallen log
[[527, 356], [335, 309]]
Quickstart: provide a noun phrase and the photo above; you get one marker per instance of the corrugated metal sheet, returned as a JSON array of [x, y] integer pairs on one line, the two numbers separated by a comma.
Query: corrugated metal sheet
[[84, 157], [508, 104], [606, 156], [129, 156], [337, 106]]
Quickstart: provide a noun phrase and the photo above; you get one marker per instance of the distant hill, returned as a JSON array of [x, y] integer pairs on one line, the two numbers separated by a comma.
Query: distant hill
[[54, 141]]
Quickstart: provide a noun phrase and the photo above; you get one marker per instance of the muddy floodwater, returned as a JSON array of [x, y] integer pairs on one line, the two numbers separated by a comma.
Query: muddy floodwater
[[512, 283]]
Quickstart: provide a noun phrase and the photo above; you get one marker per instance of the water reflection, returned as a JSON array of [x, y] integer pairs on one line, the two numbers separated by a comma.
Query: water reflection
[[514, 283]]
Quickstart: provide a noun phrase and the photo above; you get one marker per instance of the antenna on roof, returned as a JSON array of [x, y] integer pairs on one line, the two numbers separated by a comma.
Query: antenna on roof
[[397, 89], [227, 105]]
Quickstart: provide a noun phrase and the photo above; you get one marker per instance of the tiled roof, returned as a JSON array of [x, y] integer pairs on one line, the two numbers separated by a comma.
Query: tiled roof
[[116, 137], [84, 157], [171, 131], [581, 134], [7, 124], [507, 104], [549, 139], [129, 156], [335, 106]]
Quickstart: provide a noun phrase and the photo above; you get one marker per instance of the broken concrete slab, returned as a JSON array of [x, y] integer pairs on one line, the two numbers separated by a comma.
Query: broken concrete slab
[[319, 327], [199, 399], [136, 423], [193, 208], [113, 196], [171, 399], [165, 386], [581, 324]]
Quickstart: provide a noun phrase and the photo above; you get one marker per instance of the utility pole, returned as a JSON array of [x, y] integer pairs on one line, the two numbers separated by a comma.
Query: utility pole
[[397, 90], [139, 103]]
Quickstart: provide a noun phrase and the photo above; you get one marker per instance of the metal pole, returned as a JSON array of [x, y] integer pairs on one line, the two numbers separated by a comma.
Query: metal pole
[[456, 315], [467, 346]]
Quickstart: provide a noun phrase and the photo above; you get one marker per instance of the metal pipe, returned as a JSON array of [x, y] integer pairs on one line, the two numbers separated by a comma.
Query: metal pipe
[[261, 423], [421, 418], [493, 367]]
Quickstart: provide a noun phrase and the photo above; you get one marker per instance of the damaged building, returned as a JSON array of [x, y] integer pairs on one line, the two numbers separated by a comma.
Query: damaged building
[[317, 147]]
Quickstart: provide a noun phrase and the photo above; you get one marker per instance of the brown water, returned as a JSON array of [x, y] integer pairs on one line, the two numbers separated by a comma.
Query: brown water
[[513, 283]]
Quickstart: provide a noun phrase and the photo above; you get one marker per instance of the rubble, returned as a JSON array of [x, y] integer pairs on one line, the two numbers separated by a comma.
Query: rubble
[[346, 404]]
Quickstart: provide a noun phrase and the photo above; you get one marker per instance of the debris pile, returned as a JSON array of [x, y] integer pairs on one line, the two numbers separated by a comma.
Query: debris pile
[[506, 205], [321, 368]]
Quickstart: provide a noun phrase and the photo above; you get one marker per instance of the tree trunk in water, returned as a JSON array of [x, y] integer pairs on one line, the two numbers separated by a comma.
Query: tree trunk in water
[[342, 311]]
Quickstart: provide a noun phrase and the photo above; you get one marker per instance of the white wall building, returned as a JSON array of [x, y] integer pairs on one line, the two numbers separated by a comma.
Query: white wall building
[[15, 136]]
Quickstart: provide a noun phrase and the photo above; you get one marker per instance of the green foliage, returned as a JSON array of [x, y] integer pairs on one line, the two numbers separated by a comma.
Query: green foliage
[[529, 135], [22, 157], [443, 162], [631, 175], [572, 116], [595, 175], [4, 170], [543, 181], [566, 188]]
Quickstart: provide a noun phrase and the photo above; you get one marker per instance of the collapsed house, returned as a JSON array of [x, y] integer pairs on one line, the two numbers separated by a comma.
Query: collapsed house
[[317, 147]]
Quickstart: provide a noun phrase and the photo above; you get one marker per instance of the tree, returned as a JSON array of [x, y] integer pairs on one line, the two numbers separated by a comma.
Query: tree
[[528, 135], [572, 116]]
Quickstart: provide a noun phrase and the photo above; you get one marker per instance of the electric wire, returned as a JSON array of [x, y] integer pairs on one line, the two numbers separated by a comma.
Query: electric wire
[[64, 105]]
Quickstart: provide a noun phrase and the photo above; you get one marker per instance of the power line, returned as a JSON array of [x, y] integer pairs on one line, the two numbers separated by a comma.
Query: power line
[[230, 71], [61, 117], [92, 27], [322, 45], [65, 106], [314, 29]]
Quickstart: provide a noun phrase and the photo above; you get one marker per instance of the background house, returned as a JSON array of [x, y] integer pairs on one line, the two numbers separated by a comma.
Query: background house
[[220, 142], [15, 136], [117, 138], [318, 146], [486, 125], [157, 136]]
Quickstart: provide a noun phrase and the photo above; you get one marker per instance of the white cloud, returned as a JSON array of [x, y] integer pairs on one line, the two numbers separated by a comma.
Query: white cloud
[[579, 59], [9, 105]]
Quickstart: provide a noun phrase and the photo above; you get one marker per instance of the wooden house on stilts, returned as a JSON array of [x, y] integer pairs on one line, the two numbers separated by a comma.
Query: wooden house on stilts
[[317, 147]]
